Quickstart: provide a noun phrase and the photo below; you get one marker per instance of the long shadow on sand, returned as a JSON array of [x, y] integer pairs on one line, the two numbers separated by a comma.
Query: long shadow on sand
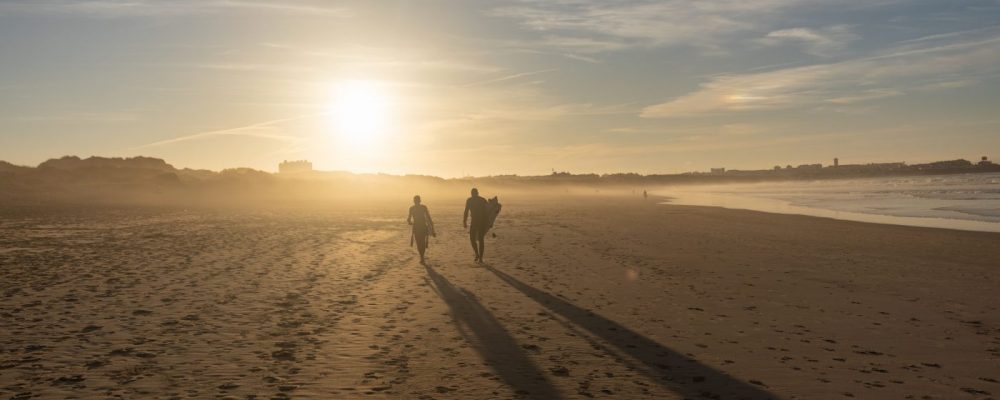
[[674, 371], [489, 338]]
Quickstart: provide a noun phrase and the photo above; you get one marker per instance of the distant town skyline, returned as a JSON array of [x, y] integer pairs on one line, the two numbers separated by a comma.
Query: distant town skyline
[[489, 88], [814, 170]]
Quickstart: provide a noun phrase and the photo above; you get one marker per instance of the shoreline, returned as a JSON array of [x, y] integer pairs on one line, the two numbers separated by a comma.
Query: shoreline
[[782, 207]]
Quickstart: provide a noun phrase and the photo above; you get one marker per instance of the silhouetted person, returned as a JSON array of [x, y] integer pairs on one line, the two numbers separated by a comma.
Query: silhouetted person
[[477, 206], [423, 226], [644, 194]]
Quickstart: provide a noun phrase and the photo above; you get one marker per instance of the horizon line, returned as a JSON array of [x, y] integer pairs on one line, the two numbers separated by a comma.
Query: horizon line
[[553, 170]]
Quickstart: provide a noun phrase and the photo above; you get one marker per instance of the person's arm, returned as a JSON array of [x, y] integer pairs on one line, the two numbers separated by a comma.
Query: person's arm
[[409, 217], [465, 215]]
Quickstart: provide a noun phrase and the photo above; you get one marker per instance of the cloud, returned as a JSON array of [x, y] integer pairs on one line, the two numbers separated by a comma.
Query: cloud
[[594, 26], [667, 21], [580, 45], [509, 77], [426, 64], [401, 58], [865, 95], [263, 129], [235, 66], [891, 73], [821, 42], [547, 112]]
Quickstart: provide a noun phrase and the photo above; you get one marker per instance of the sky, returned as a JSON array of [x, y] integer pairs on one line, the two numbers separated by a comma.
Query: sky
[[459, 88]]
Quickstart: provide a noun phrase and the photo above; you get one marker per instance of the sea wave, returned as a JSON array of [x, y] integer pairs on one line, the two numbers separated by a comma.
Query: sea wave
[[966, 201]]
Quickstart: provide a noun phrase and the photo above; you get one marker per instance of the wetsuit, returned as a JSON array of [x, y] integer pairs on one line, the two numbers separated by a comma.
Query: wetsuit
[[477, 207], [421, 226]]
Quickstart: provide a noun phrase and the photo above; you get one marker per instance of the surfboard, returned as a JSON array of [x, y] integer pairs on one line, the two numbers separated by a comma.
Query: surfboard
[[493, 210]]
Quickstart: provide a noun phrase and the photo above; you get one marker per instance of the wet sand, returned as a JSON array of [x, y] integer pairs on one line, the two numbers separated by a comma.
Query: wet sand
[[600, 297]]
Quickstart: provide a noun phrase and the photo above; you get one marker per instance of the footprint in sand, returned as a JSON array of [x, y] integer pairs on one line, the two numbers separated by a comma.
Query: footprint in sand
[[531, 348], [68, 380], [286, 352]]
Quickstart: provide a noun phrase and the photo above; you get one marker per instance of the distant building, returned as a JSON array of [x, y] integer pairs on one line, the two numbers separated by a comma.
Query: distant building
[[984, 162], [810, 166], [891, 166], [944, 165], [295, 167], [718, 170], [836, 162], [887, 166]]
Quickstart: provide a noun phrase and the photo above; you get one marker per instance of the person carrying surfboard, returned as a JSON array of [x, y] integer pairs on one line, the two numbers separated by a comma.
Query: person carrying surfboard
[[423, 226], [478, 207]]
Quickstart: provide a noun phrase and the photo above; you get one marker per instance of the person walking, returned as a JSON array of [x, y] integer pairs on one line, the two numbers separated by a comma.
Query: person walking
[[423, 226], [478, 208]]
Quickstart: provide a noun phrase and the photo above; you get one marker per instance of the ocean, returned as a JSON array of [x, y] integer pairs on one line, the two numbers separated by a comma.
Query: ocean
[[965, 201]]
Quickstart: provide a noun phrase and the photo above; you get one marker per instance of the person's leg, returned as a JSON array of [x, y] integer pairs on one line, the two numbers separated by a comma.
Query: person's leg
[[472, 239], [421, 245], [482, 244], [481, 241], [427, 241]]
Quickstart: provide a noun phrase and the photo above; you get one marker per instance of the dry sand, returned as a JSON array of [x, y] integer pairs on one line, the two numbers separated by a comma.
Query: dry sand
[[602, 297]]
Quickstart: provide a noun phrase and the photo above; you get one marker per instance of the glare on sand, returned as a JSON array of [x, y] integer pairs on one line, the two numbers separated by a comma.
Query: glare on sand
[[361, 112]]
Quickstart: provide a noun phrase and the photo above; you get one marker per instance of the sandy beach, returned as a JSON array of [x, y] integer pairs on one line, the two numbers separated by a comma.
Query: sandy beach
[[604, 297]]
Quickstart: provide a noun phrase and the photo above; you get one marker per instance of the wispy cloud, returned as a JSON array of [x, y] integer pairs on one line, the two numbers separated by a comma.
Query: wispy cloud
[[550, 112], [888, 74], [948, 35], [426, 64], [508, 77], [594, 26], [263, 129], [821, 42], [865, 95], [236, 66], [402, 58]]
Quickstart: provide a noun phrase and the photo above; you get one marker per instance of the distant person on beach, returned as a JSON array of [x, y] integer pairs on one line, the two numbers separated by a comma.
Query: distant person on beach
[[644, 194], [478, 207], [423, 226]]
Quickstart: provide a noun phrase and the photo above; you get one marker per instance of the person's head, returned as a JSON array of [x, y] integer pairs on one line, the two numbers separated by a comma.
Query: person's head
[[475, 192], [416, 199]]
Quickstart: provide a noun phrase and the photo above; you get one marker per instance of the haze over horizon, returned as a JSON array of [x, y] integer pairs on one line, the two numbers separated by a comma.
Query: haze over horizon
[[486, 88]]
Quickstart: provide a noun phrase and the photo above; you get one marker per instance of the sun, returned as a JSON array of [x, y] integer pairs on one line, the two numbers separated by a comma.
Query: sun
[[361, 112]]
